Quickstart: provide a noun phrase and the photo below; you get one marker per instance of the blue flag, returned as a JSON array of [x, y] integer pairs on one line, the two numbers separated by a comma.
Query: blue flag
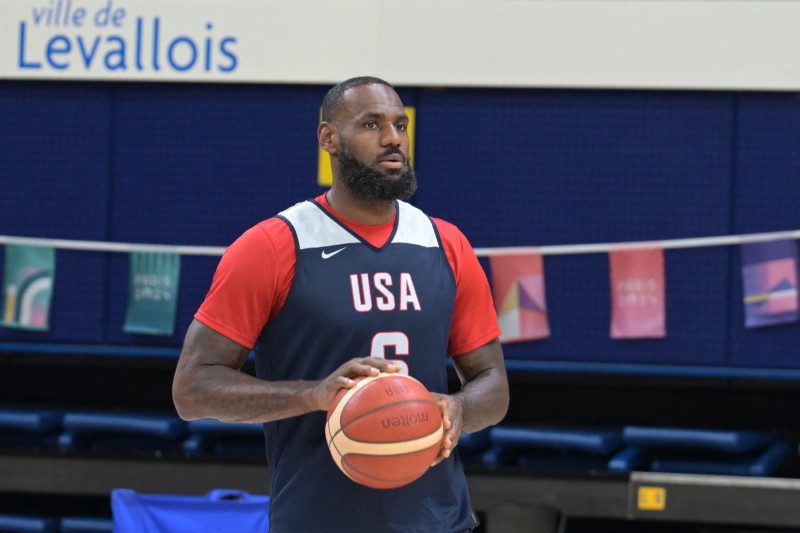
[[153, 284], [28, 286], [769, 276]]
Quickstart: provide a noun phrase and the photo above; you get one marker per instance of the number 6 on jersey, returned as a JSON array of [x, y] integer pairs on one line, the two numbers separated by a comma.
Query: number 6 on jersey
[[398, 339]]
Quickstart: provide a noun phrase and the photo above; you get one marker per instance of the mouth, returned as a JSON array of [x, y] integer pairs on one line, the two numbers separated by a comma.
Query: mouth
[[392, 161]]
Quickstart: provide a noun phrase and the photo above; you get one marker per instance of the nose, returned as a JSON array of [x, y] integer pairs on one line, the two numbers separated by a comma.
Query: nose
[[391, 137]]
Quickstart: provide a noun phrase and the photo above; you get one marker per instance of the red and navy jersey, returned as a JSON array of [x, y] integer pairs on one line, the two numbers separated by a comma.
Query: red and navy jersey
[[348, 299]]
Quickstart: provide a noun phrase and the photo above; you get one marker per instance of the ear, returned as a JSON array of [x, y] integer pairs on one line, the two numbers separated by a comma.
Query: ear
[[328, 137]]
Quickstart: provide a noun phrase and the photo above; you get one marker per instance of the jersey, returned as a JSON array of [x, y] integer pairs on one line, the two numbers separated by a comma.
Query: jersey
[[257, 270], [390, 300], [352, 299]]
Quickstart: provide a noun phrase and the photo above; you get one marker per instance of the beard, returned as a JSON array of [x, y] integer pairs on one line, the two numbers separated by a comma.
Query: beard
[[368, 184]]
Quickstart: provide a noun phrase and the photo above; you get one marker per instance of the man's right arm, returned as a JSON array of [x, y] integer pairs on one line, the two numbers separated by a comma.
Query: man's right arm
[[209, 383]]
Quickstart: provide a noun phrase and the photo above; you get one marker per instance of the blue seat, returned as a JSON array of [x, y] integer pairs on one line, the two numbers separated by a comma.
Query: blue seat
[[471, 446], [225, 438], [761, 464], [29, 427], [729, 441], [548, 447], [629, 459], [496, 455], [29, 420], [122, 431], [585, 440], [85, 524], [28, 524], [702, 451]]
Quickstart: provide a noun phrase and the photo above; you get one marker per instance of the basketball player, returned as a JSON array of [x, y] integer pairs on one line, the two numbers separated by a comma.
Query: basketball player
[[349, 284]]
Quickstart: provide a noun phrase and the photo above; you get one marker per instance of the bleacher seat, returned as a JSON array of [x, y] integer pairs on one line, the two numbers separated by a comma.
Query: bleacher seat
[[224, 438], [471, 446], [702, 451], [29, 427], [729, 441], [85, 524], [550, 447], [28, 524], [102, 431]]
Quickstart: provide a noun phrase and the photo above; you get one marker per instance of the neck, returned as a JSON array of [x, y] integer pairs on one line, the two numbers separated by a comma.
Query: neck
[[371, 212]]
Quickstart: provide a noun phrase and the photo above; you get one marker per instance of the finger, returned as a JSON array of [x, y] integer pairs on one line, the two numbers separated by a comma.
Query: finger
[[444, 453], [382, 365]]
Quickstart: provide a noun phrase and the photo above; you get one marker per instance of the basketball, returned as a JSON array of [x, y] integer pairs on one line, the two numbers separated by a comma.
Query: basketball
[[385, 431]]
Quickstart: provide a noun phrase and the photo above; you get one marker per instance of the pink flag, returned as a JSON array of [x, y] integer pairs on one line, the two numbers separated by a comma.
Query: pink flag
[[519, 296], [637, 293]]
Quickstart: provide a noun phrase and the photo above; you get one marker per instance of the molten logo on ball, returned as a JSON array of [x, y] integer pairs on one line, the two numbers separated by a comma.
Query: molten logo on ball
[[404, 421], [384, 432]]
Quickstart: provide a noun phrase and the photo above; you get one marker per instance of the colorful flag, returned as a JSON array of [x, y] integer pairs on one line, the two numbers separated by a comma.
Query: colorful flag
[[769, 278], [519, 296], [153, 284], [28, 286], [637, 293]]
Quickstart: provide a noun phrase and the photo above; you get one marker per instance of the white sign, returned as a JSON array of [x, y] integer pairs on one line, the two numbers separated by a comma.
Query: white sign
[[669, 44]]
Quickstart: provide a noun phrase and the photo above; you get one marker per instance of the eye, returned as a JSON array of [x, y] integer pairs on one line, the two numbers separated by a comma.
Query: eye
[[402, 127], [371, 125]]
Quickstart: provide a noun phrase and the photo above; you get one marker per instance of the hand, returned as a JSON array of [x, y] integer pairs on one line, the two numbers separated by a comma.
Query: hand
[[323, 392], [452, 413]]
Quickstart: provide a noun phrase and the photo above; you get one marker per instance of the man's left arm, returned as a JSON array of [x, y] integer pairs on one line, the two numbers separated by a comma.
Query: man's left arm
[[483, 398]]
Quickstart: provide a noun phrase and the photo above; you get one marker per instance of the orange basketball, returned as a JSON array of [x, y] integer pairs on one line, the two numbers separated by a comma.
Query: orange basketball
[[385, 431]]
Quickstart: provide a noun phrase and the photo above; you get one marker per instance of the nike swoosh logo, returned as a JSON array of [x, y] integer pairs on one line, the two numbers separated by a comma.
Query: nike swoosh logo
[[326, 255]]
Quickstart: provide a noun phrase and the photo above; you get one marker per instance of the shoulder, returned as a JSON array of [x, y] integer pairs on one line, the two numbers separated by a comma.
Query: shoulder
[[269, 237], [451, 236]]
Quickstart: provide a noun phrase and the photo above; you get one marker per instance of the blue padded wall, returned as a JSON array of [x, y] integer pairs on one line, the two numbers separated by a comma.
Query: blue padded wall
[[767, 199], [54, 171], [520, 167], [198, 164]]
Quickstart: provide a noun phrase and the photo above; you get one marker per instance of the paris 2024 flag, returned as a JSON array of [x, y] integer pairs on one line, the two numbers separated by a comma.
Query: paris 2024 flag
[[769, 278], [637, 293], [519, 296]]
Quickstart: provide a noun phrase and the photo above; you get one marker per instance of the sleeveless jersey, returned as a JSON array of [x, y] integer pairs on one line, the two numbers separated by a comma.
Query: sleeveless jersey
[[350, 299]]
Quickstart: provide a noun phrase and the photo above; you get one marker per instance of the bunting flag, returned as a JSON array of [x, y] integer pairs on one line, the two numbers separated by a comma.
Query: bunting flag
[[153, 283], [324, 174], [769, 278], [519, 296], [637, 293], [28, 286]]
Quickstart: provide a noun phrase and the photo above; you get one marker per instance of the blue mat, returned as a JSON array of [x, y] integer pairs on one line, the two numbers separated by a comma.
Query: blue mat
[[219, 510]]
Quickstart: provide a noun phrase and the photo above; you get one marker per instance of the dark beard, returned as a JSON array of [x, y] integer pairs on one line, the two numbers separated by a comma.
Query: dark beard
[[367, 184]]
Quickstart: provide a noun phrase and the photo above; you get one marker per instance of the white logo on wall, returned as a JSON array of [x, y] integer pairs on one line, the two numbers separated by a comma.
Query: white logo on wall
[[82, 36]]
